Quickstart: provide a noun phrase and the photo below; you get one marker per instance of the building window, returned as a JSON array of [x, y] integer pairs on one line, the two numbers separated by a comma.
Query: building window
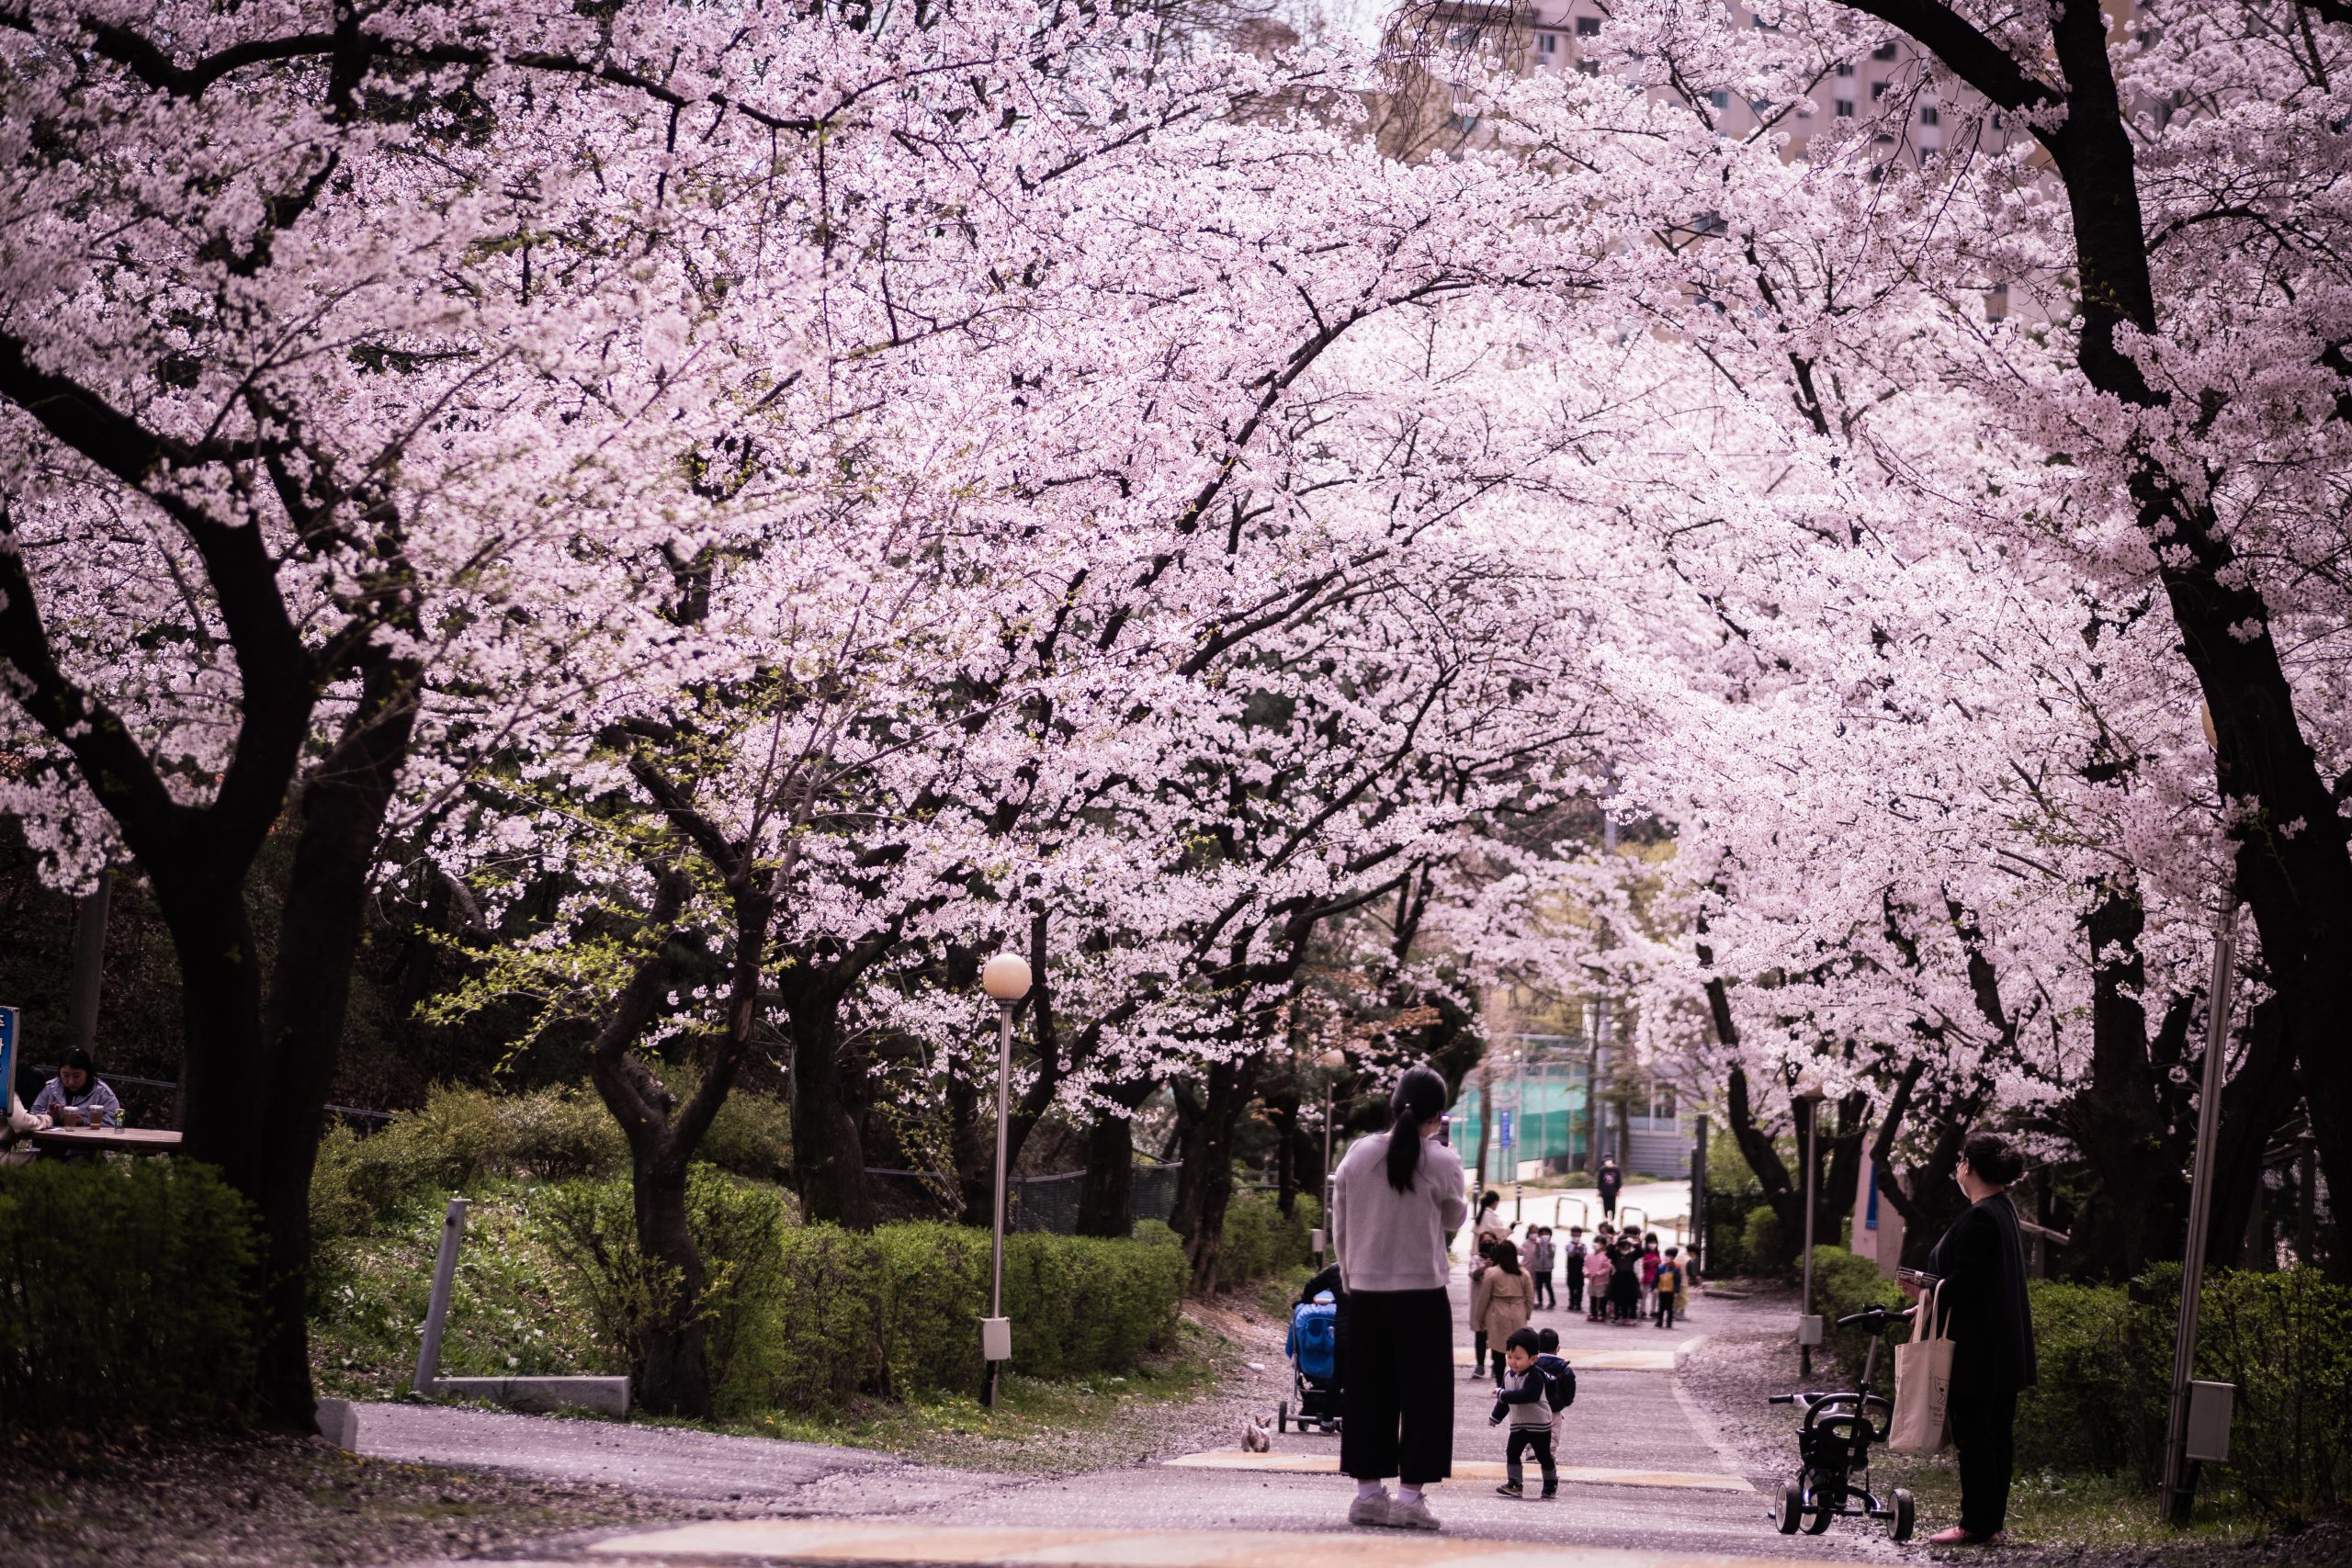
[[1844, 68], [1845, 109], [1720, 98], [1930, 114], [1588, 26], [1587, 68], [1761, 108], [1884, 50], [1878, 91]]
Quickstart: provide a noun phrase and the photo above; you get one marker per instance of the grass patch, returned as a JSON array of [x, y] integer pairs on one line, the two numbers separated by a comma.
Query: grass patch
[[2077, 1512]]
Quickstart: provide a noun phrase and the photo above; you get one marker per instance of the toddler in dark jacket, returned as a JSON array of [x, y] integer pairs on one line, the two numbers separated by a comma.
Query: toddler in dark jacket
[[1525, 1398]]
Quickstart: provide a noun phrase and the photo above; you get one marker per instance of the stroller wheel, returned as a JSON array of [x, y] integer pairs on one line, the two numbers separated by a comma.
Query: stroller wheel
[[1903, 1514], [1790, 1512], [1281, 1416]]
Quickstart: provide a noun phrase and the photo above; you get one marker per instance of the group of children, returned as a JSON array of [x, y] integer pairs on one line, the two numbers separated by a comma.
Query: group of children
[[1626, 1276]]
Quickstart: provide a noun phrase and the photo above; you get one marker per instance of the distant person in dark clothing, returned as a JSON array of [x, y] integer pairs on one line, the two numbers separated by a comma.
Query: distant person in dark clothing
[[1981, 1262], [1610, 1182], [1572, 1267]]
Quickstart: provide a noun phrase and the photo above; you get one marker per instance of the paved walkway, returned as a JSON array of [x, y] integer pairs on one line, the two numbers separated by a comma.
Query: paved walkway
[[1646, 1485]]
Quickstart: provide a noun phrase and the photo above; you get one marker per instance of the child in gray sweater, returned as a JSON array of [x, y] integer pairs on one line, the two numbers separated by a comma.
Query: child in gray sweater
[[1524, 1397]]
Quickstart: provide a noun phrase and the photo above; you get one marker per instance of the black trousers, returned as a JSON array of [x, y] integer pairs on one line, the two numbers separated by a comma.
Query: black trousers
[[1545, 1294], [1521, 1440], [1665, 1310], [1576, 1287], [1983, 1428], [1396, 1405]]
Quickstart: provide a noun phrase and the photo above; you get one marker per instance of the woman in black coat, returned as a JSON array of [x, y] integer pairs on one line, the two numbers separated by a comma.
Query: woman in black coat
[[1982, 1262]]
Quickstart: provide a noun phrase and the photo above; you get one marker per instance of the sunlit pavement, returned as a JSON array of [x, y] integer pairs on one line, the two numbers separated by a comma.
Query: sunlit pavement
[[802, 1542]]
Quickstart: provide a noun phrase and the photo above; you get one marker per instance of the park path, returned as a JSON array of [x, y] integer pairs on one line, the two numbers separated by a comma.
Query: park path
[[1646, 1486]]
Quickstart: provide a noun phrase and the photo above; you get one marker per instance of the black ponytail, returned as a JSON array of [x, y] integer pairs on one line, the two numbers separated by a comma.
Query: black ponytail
[[1419, 1097]]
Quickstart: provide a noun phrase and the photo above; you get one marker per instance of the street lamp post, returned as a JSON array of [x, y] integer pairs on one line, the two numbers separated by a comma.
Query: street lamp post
[[1807, 1096], [1331, 1061], [1005, 978], [2180, 1482]]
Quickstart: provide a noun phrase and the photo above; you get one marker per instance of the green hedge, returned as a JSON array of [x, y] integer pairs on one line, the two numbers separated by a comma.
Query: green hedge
[[1258, 1241], [2104, 1355], [802, 1317], [125, 1295], [463, 1136]]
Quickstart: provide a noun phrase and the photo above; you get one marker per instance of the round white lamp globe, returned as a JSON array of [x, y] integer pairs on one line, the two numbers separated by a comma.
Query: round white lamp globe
[[1006, 977]]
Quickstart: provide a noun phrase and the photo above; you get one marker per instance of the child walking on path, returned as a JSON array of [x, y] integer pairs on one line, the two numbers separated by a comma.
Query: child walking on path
[[1670, 1287], [1525, 1398], [1545, 1257]]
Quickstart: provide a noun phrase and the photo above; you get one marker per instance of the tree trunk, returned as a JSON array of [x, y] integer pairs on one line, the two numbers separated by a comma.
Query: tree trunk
[[828, 1149], [1106, 1204], [2133, 1210], [1756, 1148], [672, 1371], [2256, 1102], [1207, 1188]]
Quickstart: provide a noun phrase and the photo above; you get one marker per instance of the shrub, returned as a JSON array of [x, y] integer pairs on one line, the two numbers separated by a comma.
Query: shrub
[[734, 1226], [462, 1135], [802, 1317], [125, 1295], [1759, 1241], [1258, 1240]]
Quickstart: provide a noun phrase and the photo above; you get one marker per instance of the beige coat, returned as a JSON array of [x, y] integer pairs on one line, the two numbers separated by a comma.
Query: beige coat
[[1502, 1305]]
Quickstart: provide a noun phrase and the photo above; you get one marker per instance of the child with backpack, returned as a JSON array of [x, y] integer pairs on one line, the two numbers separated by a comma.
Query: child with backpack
[[1525, 1398], [1670, 1287], [1563, 1392]]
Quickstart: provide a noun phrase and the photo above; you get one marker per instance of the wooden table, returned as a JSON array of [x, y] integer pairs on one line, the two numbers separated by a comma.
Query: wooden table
[[123, 1140]]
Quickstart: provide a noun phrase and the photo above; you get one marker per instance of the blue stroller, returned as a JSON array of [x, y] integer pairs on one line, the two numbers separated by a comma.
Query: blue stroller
[[1314, 1351]]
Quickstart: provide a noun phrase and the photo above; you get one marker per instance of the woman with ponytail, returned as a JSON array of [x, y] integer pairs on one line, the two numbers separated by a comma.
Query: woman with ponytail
[[1397, 1199]]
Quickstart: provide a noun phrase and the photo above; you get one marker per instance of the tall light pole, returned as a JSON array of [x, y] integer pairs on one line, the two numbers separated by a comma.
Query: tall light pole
[[1005, 978], [2179, 1486], [1807, 1095]]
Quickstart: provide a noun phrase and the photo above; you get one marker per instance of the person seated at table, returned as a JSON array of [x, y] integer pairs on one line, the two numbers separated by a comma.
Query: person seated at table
[[21, 1124], [77, 1097]]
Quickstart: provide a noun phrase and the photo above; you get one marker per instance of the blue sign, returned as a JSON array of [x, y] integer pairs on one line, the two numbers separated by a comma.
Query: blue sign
[[7, 1051], [1505, 1128]]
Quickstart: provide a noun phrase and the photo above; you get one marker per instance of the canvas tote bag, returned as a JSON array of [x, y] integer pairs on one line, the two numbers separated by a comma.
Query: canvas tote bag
[[1922, 1382]]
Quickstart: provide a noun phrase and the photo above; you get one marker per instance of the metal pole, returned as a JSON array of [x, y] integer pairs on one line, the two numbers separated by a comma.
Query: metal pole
[[1519, 1097], [1812, 1153], [2179, 1480], [1327, 1144], [1699, 1197], [1003, 1115], [89, 961], [436, 1311]]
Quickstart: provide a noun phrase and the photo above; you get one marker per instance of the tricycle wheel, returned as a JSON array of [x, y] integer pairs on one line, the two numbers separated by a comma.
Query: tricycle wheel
[[1790, 1512], [1903, 1514], [1819, 1515], [1281, 1416]]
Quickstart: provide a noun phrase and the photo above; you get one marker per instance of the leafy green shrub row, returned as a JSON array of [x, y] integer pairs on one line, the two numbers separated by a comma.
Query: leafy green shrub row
[[801, 1317], [464, 1135], [2104, 1355], [1259, 1240], [125, 1295]]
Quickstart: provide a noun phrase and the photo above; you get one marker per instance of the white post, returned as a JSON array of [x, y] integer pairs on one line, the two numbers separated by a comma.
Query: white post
[[1811, 1158], [2180, 1492], [436, 1311], [996, 1250]]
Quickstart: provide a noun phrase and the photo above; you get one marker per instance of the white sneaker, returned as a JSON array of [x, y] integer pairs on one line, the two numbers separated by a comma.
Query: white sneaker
[[1371, 1510], [1412, 1516]]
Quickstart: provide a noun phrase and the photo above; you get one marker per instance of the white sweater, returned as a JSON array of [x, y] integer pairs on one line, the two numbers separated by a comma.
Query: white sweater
[[1388, 1240]]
